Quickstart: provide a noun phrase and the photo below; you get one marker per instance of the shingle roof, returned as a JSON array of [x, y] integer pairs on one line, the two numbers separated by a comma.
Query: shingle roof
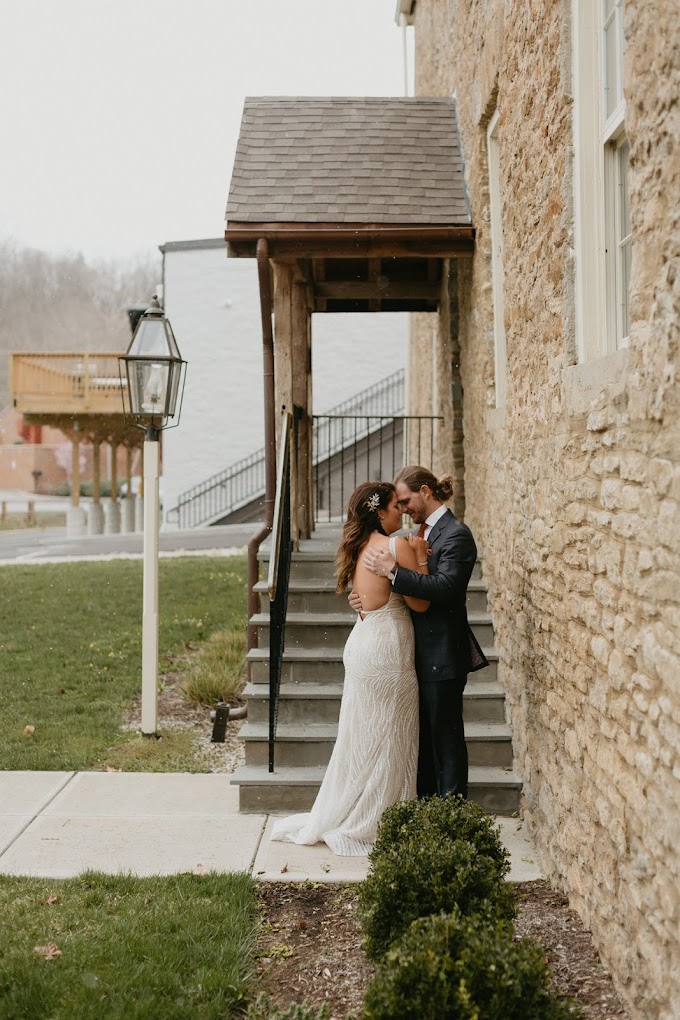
[[348, 160]]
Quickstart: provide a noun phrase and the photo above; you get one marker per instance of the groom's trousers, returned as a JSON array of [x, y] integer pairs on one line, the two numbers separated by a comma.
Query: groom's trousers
[[442, 754]]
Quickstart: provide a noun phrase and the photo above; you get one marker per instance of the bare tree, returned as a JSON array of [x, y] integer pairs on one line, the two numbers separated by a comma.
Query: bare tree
[[64, 303]]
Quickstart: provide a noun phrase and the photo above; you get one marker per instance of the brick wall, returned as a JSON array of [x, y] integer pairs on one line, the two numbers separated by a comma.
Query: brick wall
[[573, 490]]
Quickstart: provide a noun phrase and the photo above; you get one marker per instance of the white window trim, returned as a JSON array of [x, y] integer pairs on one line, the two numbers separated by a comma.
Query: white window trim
[[598, 270], [497, 270], [589, 227]]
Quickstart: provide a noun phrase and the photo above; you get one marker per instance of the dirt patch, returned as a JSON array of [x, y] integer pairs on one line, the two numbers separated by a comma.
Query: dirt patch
[[175, 712], [310, 948]]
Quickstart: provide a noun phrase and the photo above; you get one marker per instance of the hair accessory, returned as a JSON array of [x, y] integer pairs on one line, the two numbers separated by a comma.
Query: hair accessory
[[373, 502]]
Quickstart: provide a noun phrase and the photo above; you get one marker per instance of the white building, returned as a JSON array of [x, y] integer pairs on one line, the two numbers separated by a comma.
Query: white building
[[214, 307]]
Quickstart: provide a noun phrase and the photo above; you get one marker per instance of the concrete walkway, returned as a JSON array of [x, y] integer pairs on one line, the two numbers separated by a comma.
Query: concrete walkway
[[58, 824]]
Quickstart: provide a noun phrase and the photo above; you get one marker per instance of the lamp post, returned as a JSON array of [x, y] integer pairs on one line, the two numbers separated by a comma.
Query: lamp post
[[153, 371]]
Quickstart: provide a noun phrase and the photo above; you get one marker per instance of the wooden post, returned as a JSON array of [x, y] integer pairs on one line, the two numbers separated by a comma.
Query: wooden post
[[128, 471], [75, 466], [113, 446], [96, 471], [3, 512], [292, 351], [30, 515], [302, 398]]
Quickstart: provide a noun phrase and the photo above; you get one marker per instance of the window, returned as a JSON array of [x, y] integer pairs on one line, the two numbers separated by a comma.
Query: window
[[601, 190], [497, 272]]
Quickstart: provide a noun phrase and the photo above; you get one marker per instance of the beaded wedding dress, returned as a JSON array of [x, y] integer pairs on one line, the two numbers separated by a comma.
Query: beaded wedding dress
[[374, 760]]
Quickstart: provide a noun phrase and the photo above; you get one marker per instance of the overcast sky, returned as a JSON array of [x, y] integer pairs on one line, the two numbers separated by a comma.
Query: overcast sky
[[119, 118]]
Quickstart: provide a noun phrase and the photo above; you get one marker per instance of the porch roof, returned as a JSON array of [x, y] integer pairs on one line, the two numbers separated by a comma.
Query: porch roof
[[349, 176]]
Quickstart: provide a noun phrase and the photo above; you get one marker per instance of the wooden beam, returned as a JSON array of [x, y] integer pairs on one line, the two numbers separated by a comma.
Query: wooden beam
[[375, 290], [282, 247], [315, 240], [375, 279]]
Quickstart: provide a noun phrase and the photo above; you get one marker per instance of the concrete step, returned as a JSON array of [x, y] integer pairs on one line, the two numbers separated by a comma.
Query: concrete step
[[322, 630], [310, 702], [318, 595], [308, 665], [496, 790], [300, 744]]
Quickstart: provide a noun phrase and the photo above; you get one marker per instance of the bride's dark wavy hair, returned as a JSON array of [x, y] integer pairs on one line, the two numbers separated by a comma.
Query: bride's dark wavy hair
[[362, 519]]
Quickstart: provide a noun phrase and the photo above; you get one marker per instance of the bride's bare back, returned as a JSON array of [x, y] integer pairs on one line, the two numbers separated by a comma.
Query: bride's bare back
[[375, 591]]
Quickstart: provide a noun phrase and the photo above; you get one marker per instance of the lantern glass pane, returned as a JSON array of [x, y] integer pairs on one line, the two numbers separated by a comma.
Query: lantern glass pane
[[173, 387], [148, 387], [173, 349], [150, 340]]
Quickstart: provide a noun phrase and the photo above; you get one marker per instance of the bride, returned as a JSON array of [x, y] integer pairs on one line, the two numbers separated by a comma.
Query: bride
[[374, 760]]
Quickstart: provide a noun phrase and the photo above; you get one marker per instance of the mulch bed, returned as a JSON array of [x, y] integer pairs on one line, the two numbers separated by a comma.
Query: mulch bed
[[310, 948]]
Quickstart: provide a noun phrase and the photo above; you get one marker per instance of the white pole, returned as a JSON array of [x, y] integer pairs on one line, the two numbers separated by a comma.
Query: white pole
[[150, 597], [404, 52]]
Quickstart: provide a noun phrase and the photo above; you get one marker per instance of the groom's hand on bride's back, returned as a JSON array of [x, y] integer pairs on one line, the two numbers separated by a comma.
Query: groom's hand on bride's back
[[354, 601]]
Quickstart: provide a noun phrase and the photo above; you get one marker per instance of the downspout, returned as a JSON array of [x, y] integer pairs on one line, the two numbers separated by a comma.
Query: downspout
[[262, 253]]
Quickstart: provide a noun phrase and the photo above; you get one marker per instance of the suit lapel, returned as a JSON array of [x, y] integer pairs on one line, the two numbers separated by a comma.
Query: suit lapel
[[439, 527]]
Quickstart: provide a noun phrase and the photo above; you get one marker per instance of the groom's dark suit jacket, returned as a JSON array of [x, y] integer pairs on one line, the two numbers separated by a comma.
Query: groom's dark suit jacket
[[442, 641]]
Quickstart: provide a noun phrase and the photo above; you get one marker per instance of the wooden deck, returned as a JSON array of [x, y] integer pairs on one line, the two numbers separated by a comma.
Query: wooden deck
[[43, 384]]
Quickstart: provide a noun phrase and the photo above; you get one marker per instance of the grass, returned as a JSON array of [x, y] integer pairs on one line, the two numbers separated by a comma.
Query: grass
[[131, 948], [20, 521], [70, 650], [216, 673]]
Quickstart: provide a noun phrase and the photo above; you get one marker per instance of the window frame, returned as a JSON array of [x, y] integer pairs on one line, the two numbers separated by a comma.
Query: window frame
[[497, 261]]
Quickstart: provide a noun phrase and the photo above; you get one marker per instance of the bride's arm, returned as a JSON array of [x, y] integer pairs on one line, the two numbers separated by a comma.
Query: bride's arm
[[406, 557]]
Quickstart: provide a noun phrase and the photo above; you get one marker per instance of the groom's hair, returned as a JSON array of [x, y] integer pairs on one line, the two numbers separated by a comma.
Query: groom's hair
[[414, 476]]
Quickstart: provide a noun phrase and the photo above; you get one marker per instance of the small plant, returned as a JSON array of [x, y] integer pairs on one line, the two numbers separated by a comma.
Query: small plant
[[262, 1008], [452, 967], [426, 874], [452, 817], [216, 673]]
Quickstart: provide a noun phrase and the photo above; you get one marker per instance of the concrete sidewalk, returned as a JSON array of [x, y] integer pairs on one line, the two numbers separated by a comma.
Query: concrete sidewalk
[[58, 824]]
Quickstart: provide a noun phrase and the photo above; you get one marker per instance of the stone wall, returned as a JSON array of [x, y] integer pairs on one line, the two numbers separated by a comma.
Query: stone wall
[[573, 489]]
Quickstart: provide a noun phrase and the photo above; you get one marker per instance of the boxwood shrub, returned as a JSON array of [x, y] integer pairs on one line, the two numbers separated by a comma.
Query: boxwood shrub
[[427, 873], [451, 817], [457, 967]]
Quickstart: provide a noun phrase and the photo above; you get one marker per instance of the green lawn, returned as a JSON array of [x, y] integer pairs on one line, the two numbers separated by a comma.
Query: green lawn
[[126, 948], [70, 648], [19, 521]]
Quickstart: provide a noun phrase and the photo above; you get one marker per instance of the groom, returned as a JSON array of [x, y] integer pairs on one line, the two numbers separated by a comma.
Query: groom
[[446, 650]]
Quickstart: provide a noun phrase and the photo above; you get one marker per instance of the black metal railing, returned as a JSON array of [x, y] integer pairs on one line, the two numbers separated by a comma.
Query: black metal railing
[[223, 492], [349, 449], [243, 482], [278, 579]]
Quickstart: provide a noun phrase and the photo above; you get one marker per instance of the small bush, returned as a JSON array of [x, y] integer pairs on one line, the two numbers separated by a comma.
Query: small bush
[[424, 874], [264, 1009], [85, 489], [452, 967], [216, 673], [451, 817]]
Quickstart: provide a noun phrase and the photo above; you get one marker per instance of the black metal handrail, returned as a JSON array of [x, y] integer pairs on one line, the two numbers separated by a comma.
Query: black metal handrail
[[349, 449], [242, 482], [223, 492], [278, 579]]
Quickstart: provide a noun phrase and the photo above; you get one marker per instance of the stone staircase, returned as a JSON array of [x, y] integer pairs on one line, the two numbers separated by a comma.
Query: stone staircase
[[318, 624]]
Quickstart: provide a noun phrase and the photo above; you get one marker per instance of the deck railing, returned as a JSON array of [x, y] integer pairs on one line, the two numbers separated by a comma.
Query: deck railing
[[74, 382]]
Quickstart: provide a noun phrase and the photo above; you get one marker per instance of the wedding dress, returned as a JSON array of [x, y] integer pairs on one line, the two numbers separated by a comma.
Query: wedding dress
[[374, 760]]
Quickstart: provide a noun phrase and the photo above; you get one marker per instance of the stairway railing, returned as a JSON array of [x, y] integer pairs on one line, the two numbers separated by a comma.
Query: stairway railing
[[278, 579], [240, 483], [349, 449]]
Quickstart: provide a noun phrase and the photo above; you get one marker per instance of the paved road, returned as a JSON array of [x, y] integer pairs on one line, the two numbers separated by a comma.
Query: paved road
[[36, 545]]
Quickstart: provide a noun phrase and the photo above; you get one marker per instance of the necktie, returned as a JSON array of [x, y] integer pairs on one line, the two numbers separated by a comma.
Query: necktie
[[421, 531]]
